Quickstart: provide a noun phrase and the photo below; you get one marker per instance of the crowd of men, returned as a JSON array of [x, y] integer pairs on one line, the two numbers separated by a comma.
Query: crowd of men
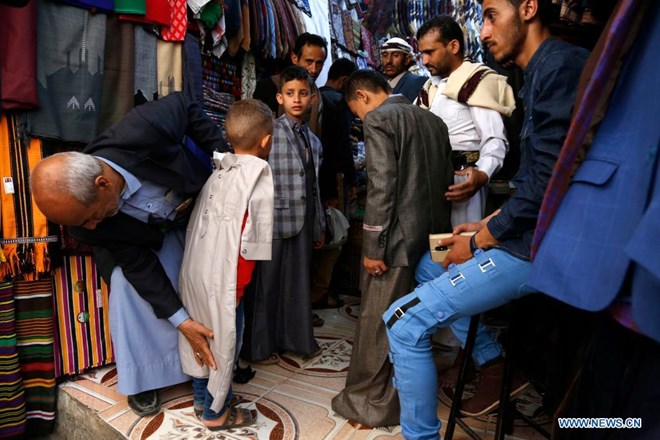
[[432, 146]]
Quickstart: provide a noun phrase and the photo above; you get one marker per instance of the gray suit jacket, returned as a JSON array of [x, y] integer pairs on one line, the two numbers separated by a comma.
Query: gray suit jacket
[[408, 158], [289, 180]]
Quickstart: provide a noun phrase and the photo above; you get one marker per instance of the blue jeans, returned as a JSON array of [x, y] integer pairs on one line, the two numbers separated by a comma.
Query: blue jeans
[[490, 279], [486, 347], [201, 396]]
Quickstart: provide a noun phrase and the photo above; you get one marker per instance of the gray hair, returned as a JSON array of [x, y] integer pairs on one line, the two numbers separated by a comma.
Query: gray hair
[[79, 171]]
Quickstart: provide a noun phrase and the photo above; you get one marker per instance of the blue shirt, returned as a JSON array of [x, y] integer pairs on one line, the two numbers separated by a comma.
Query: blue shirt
[[551, 79], [148, 202]]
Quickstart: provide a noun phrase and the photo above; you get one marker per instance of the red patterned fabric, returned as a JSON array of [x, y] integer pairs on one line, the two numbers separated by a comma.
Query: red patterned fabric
[[178, 22]]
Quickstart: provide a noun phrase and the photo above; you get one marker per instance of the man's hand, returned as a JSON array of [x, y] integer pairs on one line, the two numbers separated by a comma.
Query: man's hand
[[460, 192], [197, 336], [352, 193], [459, 252], [375, 268], [330, 203], [319, 244]]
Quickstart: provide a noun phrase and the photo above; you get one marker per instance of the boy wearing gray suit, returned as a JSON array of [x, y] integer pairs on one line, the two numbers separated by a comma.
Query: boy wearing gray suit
[[278, 308]]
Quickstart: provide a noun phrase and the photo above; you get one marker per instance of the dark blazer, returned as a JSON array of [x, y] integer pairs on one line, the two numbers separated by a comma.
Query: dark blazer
[[148, 142], [409, 85], [336, 141], [409, 169]]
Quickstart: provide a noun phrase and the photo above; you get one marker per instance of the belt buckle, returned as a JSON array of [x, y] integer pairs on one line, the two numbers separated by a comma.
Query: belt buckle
[[399, 313]]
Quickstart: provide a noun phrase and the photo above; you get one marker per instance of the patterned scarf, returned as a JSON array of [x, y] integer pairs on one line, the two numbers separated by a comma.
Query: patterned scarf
[[82, 339], [24, 227], [34, 333], [12, 394]]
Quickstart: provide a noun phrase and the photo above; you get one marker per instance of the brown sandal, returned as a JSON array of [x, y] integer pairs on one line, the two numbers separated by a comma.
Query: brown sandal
[[248, 416]]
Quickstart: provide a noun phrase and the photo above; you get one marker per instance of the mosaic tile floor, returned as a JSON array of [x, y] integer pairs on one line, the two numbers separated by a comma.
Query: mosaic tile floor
[[292, 398]]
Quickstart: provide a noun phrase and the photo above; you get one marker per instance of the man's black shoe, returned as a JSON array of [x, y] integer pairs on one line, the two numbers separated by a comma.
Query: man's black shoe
[[145, 403]]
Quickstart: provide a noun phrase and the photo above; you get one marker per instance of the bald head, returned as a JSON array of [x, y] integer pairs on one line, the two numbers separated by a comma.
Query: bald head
[[76, 189]]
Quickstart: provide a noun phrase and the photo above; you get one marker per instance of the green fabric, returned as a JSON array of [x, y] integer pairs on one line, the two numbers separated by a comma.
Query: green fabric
[[211, 14], [131, 7]]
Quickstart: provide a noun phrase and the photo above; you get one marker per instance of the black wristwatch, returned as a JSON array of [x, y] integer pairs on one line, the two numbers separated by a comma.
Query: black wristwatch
[[473, 244]]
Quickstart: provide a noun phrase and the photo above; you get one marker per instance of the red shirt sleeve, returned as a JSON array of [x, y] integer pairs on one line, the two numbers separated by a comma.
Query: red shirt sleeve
[[244, 269]]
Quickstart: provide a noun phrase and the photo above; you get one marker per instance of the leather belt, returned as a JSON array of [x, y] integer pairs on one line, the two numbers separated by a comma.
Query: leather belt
[[463, 159], [399, 312]]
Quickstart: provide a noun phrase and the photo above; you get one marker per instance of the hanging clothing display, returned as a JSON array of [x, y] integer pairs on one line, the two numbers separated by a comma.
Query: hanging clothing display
[[12, 405], [70, 50], [18, 57]]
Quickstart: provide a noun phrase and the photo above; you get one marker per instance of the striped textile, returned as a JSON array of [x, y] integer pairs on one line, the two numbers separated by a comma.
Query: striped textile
[[34, 333], [12, 395], [82, 339], [24, 227]]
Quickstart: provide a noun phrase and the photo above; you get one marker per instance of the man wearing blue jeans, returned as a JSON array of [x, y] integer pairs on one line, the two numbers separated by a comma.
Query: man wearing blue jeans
[[490, 268]]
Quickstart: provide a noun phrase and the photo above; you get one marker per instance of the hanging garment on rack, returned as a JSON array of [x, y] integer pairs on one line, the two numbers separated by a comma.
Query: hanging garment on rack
[[302, 5], [18, 57], [12, 393], [145, 80], [24, 228], [70, 50], [138, 7], [248, 75], [118, 95], [156, 12], [104, 6], [176, 31], [170, 67], [82, 340], [192, 70], [34, 339]]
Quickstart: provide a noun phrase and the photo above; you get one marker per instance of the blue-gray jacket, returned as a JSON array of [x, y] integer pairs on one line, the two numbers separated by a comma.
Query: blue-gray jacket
[[551, 80]]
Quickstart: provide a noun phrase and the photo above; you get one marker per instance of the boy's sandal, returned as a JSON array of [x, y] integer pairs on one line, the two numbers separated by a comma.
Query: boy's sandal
[[249, 417], [235, 400]]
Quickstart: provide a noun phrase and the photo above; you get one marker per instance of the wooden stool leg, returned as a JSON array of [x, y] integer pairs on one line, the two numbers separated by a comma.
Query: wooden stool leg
[[454, 413], [504, 415]]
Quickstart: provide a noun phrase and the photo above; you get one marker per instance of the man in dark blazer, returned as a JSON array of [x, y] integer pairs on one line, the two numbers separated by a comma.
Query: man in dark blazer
[[129, 194], [409, 167], [397, 57]]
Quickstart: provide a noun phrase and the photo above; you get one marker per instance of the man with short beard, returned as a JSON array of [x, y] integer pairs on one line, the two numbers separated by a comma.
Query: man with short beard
[[490, 268], [310, 53], [471, 99], [396, 58]]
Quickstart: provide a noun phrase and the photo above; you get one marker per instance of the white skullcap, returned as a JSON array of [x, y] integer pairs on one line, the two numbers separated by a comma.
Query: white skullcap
[[397, 43]]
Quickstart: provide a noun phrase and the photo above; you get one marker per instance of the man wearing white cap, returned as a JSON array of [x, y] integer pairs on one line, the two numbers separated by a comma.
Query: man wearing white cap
[[397, 57]]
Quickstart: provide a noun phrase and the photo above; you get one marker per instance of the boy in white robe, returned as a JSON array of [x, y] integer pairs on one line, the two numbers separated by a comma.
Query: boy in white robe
[[231, 226]]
